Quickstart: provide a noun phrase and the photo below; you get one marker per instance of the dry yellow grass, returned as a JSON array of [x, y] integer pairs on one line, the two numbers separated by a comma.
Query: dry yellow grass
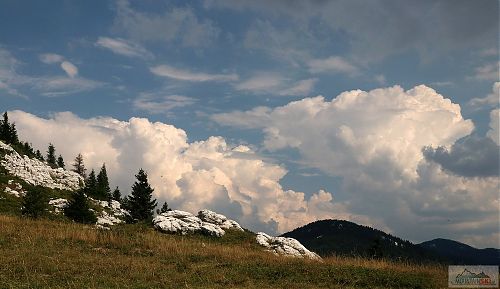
[[51, 254]]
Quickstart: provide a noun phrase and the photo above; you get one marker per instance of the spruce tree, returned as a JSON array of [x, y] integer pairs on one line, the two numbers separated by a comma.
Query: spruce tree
[[103, 192], [51, 155], [140, 203], [117, 195], [60, 162], [78, 166], [13, 138], [78, 209], [163, 209], [5, 127], [91, 184], [39, 156], [35, 203]]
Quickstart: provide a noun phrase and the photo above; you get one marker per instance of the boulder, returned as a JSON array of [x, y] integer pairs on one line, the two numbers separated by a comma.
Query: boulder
[[285, 246], [219, 220], [181, 222]]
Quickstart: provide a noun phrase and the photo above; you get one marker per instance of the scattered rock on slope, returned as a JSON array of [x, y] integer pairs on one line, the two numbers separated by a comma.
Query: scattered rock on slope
[[207, 222], [285, 246], [37, 173]]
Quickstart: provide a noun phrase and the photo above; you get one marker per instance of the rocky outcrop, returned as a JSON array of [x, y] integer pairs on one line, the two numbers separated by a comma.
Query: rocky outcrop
[[58, 204], [285, 246], [219, 220], [36, 173], [14, 189], [207, 222], [111, 215]]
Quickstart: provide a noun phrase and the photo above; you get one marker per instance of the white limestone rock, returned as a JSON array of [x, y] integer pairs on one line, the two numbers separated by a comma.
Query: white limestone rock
[[219, 220], [14, 192], [105, 220], [37, 173], [58, 204], [181, 222], [111, 214], [285, 246]]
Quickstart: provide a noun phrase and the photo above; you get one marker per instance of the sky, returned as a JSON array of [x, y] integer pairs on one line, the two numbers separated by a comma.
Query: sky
[[275, 113]]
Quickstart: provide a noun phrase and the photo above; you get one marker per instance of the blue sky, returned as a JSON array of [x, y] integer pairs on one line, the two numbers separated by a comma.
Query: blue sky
[[206, 66]]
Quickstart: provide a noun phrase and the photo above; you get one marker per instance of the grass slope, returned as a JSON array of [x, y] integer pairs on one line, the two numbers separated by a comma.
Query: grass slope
[[56, 254]]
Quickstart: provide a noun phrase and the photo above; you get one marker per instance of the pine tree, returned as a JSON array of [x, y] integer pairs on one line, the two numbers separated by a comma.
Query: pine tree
[[34, 203], [51, 155], [8, 132], [78, 209], [13, 138], [140, 203], [39, 156], [163, 209], [103, 192], [91, 184], [60, 162], [78, 166], [5, 127], [117, 195]]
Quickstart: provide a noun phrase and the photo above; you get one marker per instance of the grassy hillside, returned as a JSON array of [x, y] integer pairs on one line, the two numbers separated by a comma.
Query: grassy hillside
[[47, 253]]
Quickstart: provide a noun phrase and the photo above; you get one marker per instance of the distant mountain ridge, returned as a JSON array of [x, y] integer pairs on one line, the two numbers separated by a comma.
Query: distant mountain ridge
[[339, 237], [459, 253]]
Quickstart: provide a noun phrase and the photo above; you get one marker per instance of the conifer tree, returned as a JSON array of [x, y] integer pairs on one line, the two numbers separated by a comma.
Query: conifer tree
[[78, 209], [117, 195], [5, 127], [8, 132], [13, 138], [60, 162], [51, 155], [103, 192], [140, 203], [38, 155], [34, 203], [78, 166], [163, 209], [91, 184]]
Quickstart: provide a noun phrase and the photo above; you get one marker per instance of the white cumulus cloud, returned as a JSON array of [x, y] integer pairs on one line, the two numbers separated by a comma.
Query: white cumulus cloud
[[190, 176], [492, 99], [373, 140]]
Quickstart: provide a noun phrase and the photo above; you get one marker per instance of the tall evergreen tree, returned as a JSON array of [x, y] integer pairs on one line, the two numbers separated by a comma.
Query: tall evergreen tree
[[51, 155], [91, 184], [5, 127], [117, 195], [60, 162], [78, 209], [8, 132], [78, 166], [140, 203], [13, 138], [103, 192], [35, 202], [38, 155]]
